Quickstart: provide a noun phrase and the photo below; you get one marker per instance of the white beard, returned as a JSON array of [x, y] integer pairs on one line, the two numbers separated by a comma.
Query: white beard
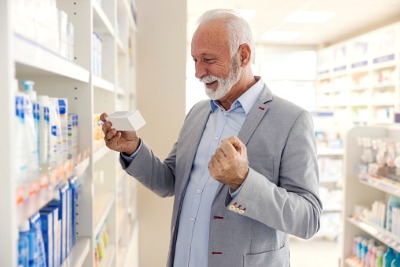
[[224, 85]]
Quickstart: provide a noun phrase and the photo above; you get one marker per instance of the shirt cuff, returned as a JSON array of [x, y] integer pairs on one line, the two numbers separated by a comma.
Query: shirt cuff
[[234, 194], [129, 158]]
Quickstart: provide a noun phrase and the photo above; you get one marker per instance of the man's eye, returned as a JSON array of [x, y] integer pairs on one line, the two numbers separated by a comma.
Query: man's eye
[[209, 60]]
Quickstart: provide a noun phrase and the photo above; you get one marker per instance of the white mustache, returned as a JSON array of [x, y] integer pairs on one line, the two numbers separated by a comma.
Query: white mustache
[[209, 79]]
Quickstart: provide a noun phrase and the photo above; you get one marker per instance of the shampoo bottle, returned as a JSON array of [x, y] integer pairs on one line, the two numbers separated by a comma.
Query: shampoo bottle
[[388, 257]]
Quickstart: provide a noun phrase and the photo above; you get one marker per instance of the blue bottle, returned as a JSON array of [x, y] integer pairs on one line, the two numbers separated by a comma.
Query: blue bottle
[[388, 257], [23, 250], [29, 234], [396, 262]]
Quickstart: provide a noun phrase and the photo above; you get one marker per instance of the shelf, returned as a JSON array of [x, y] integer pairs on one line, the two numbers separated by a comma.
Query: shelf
[[332, 209], [329, 181], [384, 85], [352, 263], [100, 83], [122, 255], [359, 88], [78, 253], [129, 251], [324, 151], [81, 167], [101, 210], [384, 65], [126, 6], [34, 203], [34, 59], [382, 183], [109, 254], [379, 233], [100, 153], [120, 46], [101, 22], [121, 91]]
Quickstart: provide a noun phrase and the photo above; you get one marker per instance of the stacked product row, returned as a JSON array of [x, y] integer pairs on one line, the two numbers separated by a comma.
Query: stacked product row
[[102, 242], [47, 138], [47, 237], [380, 157], [42, 22], [367, 253]]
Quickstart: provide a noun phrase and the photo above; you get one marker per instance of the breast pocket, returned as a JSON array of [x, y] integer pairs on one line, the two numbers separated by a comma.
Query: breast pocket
[[263, 164]]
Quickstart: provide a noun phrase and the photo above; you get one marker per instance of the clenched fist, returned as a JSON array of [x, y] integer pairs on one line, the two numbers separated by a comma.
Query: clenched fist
[[229, 165]]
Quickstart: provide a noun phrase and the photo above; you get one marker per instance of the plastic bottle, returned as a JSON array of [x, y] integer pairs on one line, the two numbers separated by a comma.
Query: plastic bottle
[[21, 161], [372, 259], [31, 132], [36, 226], [44, 132], [55, 157], [379, 257], [368, 257], [31, 93], [392, 202], [23, 251], [396, 262], [388, 257], [26, 232], [364, 250]]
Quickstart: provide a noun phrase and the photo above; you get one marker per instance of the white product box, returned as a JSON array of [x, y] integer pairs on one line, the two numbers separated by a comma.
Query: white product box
[[129, 121]]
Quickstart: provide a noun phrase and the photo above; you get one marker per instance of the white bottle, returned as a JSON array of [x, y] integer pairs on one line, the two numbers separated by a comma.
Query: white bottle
[[21, 142], [44, 132], [55, 135], [31, 136], [31, 93]]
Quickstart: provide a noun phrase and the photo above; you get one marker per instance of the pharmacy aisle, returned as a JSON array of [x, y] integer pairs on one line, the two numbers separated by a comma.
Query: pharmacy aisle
[[65, 200], [358, 80]]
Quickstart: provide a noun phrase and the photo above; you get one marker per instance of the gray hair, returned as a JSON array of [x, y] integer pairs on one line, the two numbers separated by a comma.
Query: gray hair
[[238, 29]]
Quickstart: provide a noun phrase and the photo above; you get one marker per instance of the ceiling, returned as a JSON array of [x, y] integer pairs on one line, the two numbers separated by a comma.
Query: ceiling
[[352, 18]]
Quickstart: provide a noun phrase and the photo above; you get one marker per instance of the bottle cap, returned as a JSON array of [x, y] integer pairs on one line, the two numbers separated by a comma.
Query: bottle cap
[[24, 227]]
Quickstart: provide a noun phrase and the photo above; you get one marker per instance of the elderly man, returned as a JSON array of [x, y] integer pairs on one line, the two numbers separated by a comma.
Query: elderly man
[[243, 171]]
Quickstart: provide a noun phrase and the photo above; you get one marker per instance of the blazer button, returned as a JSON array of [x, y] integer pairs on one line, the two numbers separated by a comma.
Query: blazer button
[[236, 209], [231, 207], [241, 211]]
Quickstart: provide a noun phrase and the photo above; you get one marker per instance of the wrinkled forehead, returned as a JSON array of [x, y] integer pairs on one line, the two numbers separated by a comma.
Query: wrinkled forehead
[[212, 34]]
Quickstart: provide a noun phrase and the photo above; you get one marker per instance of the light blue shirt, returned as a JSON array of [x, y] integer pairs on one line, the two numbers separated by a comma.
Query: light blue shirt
[[194, 222]]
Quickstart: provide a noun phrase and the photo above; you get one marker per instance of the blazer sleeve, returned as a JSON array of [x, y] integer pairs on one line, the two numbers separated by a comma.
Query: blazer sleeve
[[149, 170], [292, 205]]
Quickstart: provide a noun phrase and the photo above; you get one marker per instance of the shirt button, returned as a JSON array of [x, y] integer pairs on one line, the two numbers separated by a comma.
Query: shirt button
[[198, 191], [191, 219], [216, 138]]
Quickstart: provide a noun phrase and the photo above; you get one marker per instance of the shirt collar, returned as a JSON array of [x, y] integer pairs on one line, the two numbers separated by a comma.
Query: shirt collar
[[246, 100]]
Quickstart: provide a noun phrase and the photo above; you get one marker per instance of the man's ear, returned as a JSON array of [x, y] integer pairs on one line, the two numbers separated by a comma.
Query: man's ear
[[245, 54]]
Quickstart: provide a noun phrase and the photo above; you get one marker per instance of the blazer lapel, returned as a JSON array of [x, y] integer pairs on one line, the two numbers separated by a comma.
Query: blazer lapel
[[255, 115]]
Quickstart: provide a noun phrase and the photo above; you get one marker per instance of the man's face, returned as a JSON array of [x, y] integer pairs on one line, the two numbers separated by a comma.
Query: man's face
[[214, 66]]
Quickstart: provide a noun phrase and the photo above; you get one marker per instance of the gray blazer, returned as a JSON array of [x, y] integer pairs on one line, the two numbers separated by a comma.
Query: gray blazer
[[279, 196]]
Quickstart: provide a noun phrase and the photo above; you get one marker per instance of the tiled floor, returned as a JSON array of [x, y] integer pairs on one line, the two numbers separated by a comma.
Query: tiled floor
[[314, 253]]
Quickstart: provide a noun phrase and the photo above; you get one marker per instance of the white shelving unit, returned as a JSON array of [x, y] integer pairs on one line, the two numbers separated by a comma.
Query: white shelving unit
[[25, 58], [330, 158], [359, 79], [363, 192]]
